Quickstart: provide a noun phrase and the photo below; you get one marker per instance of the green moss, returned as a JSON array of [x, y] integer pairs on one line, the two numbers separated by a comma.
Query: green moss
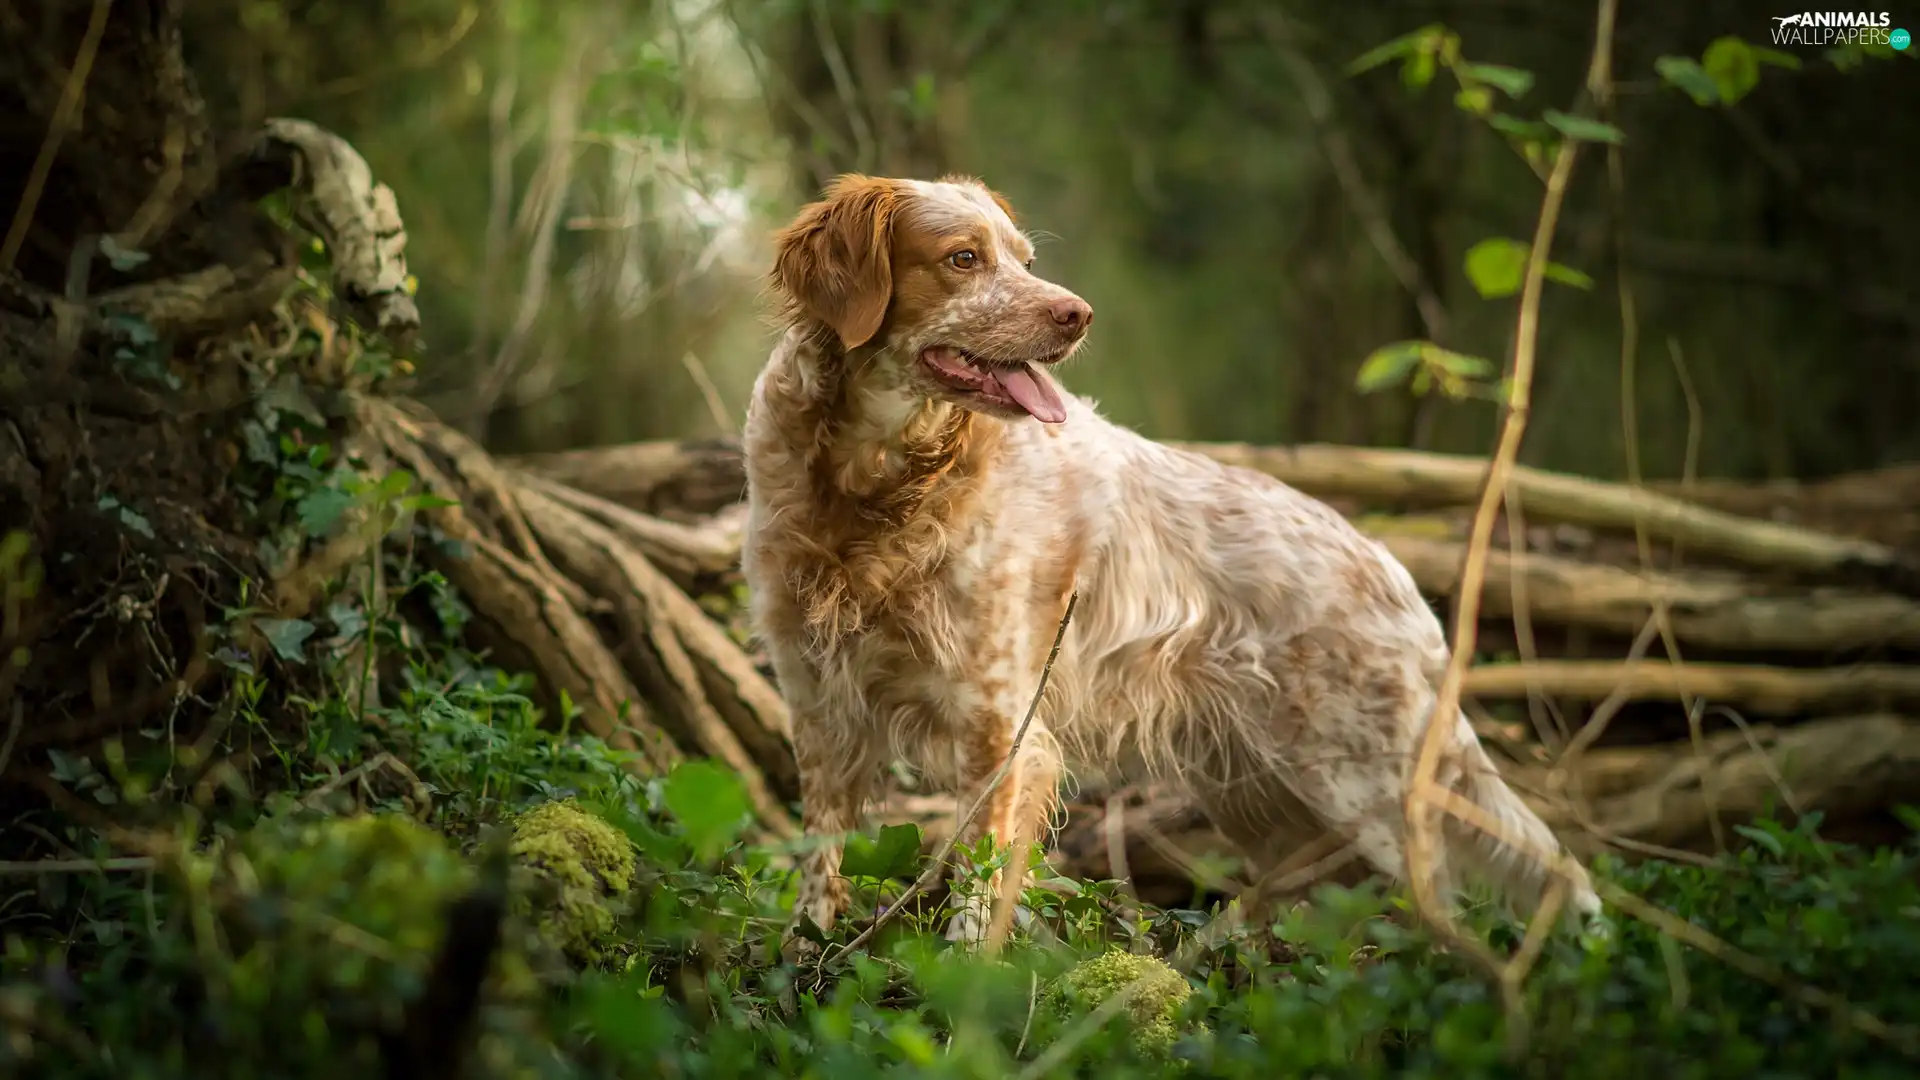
[[578, 863], [1153, 1012]]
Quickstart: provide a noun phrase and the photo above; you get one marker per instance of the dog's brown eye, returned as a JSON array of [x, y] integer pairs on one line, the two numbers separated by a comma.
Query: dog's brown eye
[[963, 260], [1029, 264]]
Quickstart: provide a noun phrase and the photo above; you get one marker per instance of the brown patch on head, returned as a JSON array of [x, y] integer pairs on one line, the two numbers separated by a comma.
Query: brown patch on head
[[833, 263]]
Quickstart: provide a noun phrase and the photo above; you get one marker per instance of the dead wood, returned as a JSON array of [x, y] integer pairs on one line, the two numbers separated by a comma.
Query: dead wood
[[648, 475], [679, 657], [1406, 476], [1630, 800], [1714, 610], [1717, 610], [1771, 690], [657, 478]]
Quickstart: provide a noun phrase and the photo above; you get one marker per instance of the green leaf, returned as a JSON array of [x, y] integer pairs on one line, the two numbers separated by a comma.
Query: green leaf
[[710, 803], [1777, 58], [1418, 71], [1518, 128], [1730, 63], [1387, 365], [1762, 838], [287, 636], [1567, 275], [320, 509], [395, 484], [1686, 74], [1496, 266], [1457, 365], [1582, 128], [1476, 100], [1511, 81], [896, 854], [1426, 38]]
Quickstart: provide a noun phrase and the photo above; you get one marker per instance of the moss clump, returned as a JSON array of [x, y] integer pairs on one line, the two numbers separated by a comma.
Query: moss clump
[[578, 863], [1153, 1012]]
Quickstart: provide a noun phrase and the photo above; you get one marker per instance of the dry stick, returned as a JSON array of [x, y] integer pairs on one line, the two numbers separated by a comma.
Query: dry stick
[[57, 127], [939, 864], [1420, 815]]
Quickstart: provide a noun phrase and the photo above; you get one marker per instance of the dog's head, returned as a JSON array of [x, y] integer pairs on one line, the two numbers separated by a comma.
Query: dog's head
[[936, 280]]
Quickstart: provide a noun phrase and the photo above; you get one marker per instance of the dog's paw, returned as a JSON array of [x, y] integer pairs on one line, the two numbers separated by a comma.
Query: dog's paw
[[1597, 927], [969, 924]]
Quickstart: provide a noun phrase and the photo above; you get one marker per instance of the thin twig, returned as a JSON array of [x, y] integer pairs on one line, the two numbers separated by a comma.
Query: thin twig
[[57, 127], [938, 866], [1425, 795]]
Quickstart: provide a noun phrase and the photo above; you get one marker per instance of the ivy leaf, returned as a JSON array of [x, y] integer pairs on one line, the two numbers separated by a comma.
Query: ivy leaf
[[1730, 63], [1511, 81], [320, 509], [1387, 365], [896, 853], [395, 484], [1582, 128], [710, 804], [1496, 266], [287, 636], [1686, 74]]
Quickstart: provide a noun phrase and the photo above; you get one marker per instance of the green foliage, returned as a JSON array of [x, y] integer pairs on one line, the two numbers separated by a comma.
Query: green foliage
[[1424, 51], [1497, 267], [1429, 365], [1728, 71]]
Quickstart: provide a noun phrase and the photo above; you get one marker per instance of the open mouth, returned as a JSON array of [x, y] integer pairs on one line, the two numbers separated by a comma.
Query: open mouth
[[1020, 385]]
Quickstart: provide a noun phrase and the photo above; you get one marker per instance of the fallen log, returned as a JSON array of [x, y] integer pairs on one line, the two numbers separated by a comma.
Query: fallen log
[[1717, 611], [1408, 476], [659, 478], [649, 475], [1630, 800], [1770, 690]]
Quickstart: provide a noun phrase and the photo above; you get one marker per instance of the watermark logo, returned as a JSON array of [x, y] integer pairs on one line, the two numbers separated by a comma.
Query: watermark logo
[[1823, 28]]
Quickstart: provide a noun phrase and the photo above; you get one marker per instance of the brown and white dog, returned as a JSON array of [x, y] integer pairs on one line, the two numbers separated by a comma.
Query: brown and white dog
[[924, 498]]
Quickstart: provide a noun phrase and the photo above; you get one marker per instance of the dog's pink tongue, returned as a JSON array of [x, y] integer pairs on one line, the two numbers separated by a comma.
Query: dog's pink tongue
[[1034, 392]]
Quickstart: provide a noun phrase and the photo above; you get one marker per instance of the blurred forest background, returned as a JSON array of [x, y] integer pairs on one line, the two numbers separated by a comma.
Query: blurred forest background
[[589, 185]]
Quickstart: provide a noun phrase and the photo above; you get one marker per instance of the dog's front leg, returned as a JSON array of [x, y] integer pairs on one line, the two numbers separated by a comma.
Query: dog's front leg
[[1014, 813], [835, 782]]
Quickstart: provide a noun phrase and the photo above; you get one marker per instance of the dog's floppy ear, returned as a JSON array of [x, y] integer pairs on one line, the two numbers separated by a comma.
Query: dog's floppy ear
[[835, 262]]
